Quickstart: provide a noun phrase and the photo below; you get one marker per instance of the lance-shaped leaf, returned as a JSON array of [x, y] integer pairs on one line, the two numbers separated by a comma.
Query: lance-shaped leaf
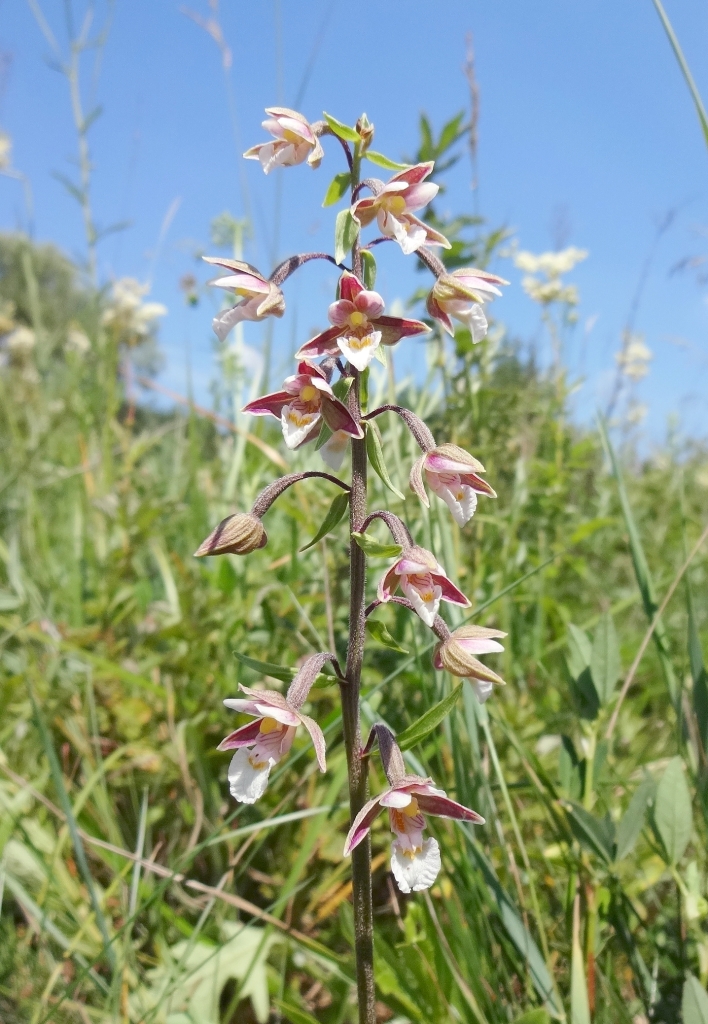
[[374, 549], [335, 514], [374, 450], [267, 668], [631, 824], [429, 721], [337, 187], [382, 635], [368, 266], [595, 834], [346, 231], [605, 664], [383, 161], [343, 131], [694, 1002], [673, 815]]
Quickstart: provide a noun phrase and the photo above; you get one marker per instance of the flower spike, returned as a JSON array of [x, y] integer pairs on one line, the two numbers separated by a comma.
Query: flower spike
[[295, 141], [359, 326], [456, 655], [271, 734], [415, 862], [393, 205], [305, 400], [461, 294], [454, 476], [259, 298], [424, 582]]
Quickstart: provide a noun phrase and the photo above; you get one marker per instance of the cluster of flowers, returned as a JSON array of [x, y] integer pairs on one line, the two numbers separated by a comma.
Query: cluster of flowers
[[308, 400]]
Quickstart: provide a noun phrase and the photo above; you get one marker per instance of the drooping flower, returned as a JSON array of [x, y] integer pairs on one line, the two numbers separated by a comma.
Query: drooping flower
[[457, 656], [415, 862], [305, 400], [238, 534], [461, 294], [358, 326], [295, 141], [259, 297], [263, 742], [454, 476], [422, 579], [393, 209]]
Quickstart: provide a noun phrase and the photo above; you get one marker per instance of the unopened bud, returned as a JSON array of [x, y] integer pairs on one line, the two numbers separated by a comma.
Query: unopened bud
[[365, 131], [457, 654], [238, 534]]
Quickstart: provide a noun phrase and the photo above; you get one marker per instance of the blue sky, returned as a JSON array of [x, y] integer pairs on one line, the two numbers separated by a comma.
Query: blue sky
[[587, 136]]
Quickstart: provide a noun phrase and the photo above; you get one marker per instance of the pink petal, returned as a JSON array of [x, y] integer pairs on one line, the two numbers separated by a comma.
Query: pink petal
[[247, 282], [410, 565], [242, 737], [418, 196], [416, 480], [393, 328], [443, 807], [361, 824], [449, 590], [414, 175], [369, 303], [310, 369], [477, 484], [479, 645], [435, 462], [436, 311], [282, 715], [244, 707], [349, 287], [320, 345], [271, 405], [395, 798], [337, 417], [340, 310], [318, 740], [364, 210], [388, 584]]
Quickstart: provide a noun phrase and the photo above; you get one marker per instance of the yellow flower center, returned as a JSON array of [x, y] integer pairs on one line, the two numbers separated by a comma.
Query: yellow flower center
[[268, 725], [396, 205], [356, 319], [289, 136], [412, 809], [308, 393]]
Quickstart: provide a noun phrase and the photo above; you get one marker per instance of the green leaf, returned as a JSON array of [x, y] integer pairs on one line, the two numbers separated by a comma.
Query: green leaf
[[694, 1004], [341, 129], [368, 264], [631, 824], [605, 664], [429, 721], [452, 131], [341, 390], [346, 230], [383, 161], [374, 549], [380, 633], [673, 816], [579, 1004], [336, 512], [539, 1016], [337, 187], [579, 651], [266, 668], [593, 833], [293, 1014], [374, 449]]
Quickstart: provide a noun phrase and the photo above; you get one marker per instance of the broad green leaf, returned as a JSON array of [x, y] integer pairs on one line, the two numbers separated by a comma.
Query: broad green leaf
[[539, 1016], [593, 833], [368, 264], [374, 449], [383, 161], [429, 721], [673, 816], [694, 1003], [335, 514], [605, 664], [631, 824], [346, 230], [337, 187], [380, 633], [374, 549], [341, 129], [579, 651], [267, 668], [341, 390]]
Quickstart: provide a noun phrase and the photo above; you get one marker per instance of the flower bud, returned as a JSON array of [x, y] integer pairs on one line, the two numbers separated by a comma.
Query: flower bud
[[365, 131], [457, 656], [238, 534]]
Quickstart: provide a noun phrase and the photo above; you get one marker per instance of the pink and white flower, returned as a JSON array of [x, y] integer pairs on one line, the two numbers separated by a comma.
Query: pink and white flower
[[259, 297], [295, 141], [305, 400], [457, 655], [424, 582], [453, 474], [358, 326], [263, 742], [461, 294], [393, 209], [415, 861]]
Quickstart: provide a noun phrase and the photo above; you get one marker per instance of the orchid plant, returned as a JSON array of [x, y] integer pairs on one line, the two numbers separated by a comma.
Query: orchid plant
[[323, 402]]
